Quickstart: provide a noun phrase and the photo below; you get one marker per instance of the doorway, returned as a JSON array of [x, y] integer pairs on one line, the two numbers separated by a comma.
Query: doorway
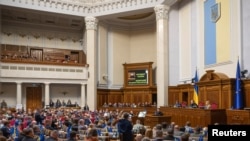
[[33, 98]]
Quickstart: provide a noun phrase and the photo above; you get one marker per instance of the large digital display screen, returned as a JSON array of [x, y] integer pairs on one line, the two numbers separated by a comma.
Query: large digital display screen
[[138, 77]]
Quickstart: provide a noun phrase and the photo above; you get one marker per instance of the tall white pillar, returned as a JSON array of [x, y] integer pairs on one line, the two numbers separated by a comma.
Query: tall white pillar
[[83, 95], [46, 96], [91, 35], [19, 93], [161, 12]]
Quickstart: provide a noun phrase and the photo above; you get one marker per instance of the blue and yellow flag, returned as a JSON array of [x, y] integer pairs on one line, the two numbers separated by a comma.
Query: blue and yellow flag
[[238, 98], [195, 97]]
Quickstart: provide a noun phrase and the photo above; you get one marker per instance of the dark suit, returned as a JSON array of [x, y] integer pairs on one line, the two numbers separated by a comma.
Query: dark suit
[[125, 128], [6, 131]]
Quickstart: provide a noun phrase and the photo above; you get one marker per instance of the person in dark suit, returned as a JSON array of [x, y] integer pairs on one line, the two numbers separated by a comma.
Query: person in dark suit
[[170, 134], [51, 103], [158, 112], [193, 104], [125, 128], [39, 117], [86, 107], [58, 103], [6, 129], [72, 136]]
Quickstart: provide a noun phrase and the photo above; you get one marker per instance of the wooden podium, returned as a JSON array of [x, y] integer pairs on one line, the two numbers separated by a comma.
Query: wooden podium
[[238, 116], [151, 120]]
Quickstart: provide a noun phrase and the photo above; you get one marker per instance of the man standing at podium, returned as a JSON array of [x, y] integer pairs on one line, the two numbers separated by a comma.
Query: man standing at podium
[[158, 112]]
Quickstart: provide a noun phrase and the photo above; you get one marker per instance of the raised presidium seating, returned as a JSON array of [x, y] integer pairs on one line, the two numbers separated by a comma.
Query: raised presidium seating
[[214, 106], [184, 104], [201, 105], [196, 116]]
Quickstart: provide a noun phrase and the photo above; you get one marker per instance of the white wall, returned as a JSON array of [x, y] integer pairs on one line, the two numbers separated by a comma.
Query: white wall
[[143, 46], [121, 54]]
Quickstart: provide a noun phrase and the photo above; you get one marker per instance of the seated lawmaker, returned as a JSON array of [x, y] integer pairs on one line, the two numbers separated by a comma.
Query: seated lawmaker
[[207, 105], [158, 112], [193, 104], [177, 104]]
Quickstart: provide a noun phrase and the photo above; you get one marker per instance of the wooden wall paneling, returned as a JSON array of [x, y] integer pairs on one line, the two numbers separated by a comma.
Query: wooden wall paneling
[[202, 94], [227, 93], [33, 98], [186, 92], [196, 116], [226, 100], [214, 94], [246, 90], [238, 116], [191, 93], [138, 95], [115, 96], [173, 94], [102, 97], [108, 96]]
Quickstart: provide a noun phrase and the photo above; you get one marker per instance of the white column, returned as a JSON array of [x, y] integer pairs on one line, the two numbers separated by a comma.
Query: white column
[[91, 35], [161, 12], [46, 96], [83, 94], [19, 93]]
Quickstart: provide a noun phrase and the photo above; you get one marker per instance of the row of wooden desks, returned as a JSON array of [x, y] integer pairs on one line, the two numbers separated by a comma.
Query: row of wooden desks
[[204, 117], [201, 117]]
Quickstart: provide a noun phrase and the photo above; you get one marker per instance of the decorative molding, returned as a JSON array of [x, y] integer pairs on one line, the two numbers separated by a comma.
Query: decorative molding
[[71, 73], [161, 12], [86, 7], [33, 35], [91, 23]]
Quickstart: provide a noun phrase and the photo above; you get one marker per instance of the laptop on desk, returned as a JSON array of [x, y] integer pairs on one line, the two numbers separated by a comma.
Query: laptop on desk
[[142, 114]]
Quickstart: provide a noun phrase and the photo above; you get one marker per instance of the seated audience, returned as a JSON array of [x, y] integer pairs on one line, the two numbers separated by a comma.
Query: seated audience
[[197, 132], [138, 126], [188, 128], [185, 137], [92, 135], [148, 133], [159, 136], [177, 131], [145, 139], [170, 134], [6, 129], [29, 135], [72, 136], [53, 136], [165, 126], [2, 138], [138, 137]]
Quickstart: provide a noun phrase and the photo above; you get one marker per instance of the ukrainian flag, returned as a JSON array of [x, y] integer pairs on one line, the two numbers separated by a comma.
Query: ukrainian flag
[[217, 31], [195, 97]]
